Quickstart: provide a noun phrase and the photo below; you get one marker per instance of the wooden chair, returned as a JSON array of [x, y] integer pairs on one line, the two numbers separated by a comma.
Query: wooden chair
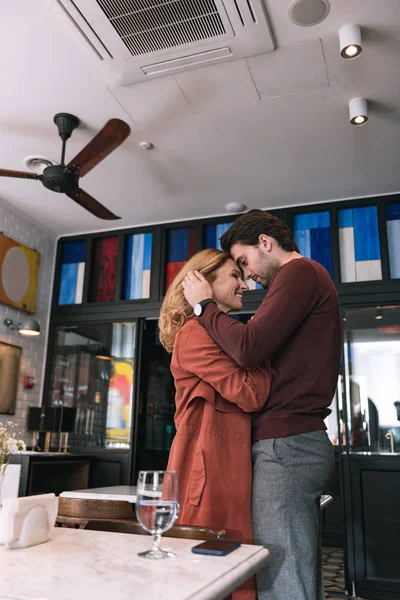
[[77, 512], [176, 531]]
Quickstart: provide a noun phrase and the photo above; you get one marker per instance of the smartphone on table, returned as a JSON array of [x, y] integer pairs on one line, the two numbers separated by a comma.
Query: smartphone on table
[[216, 547]]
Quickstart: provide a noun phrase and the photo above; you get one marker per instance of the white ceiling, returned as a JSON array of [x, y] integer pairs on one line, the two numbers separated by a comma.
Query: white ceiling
[[268, 131]]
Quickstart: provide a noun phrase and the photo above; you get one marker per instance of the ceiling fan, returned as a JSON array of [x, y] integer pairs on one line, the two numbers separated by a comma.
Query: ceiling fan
[[65, 178]]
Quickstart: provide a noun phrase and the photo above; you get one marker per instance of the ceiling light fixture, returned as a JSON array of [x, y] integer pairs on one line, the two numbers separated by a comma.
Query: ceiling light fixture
[[37, 164], [30, 327], [358, 111], [146, 145], [235, 207], [308, 12], [350, 41], [379, 314]]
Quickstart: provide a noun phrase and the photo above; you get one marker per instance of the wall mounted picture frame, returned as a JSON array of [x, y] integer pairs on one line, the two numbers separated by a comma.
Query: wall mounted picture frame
[[10, 362], [19, 269]]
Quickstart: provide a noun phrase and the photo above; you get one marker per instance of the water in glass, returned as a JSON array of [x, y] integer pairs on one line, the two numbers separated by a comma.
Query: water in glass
[[157, 507]]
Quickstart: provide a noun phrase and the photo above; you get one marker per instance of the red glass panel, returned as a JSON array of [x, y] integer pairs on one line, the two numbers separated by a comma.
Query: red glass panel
[[105, 269]]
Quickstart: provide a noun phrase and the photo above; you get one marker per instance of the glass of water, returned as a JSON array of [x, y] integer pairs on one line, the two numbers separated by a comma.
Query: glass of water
[[157, 507]]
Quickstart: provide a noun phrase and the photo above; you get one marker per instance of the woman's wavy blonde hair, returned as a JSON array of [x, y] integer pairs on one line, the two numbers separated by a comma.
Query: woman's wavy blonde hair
[[175, 309]]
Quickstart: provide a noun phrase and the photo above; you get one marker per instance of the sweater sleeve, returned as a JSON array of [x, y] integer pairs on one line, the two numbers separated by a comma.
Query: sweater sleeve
[[247, 388], [292, 295]]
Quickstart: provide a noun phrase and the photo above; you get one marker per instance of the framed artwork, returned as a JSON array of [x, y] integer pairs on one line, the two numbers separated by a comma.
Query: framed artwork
[[19, 269], [10, 360]]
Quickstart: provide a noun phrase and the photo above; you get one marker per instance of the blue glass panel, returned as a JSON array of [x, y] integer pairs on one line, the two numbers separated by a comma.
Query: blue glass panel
[[393, 211], [137, 267], [221, 228], [74, 252], [128, 266], [210, 235], [345, 217], [69, 278], [177, 245], [321, 247], [148, 242], [311, 220], [393, 233], [366, 236], [302, 239]]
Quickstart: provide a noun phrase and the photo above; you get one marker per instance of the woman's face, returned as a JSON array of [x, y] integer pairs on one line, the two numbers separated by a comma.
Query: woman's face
[[228, 287]]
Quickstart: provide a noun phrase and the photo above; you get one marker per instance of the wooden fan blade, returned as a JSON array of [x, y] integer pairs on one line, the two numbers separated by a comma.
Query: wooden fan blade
[[18, 174], [106, 141], [88, 202]]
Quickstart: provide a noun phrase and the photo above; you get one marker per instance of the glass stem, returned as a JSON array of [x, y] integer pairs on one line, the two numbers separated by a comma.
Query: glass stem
[[156, 542]]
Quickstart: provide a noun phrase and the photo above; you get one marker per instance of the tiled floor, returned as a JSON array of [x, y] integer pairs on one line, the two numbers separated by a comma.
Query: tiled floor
[[332, 562]]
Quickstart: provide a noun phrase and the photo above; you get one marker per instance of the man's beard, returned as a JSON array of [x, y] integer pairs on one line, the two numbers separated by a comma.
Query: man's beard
[[267, 270]]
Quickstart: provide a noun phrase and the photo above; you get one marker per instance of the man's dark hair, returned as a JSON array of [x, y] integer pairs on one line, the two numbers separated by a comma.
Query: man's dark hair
[[247, 229]]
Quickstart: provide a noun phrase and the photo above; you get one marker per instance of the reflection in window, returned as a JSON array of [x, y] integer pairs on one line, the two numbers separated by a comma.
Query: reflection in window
[[372, 362], [93, 370], [360, 254]]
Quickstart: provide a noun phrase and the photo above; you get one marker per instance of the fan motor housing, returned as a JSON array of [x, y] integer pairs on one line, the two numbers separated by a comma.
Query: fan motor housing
[[60, 178]]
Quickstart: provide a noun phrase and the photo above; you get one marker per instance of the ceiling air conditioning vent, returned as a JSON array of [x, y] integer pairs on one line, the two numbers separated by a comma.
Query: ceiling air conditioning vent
[[128, 35], [151, 26]]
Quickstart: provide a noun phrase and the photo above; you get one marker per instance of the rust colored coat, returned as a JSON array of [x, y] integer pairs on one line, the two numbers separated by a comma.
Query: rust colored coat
[[212, 448]]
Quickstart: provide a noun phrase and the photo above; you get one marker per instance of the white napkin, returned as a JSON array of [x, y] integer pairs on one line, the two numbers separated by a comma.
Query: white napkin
[[27, 521]]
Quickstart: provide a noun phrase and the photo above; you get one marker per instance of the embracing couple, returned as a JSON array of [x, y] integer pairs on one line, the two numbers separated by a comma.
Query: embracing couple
[[251, 450]]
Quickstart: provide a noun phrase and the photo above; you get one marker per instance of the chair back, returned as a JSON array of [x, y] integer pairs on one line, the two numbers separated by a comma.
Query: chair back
[[177, 531], [78, 511]]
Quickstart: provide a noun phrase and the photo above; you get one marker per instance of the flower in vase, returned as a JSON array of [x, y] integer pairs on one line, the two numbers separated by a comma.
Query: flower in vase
[[8, 445]]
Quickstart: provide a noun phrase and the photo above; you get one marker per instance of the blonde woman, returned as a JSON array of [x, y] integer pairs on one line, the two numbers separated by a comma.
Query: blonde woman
[[215, 399]]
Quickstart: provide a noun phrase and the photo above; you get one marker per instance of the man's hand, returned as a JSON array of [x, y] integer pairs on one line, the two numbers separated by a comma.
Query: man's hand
[[196, 288]]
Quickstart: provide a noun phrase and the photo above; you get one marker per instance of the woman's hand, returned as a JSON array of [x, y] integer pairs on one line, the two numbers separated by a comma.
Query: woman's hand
[[196, 288]]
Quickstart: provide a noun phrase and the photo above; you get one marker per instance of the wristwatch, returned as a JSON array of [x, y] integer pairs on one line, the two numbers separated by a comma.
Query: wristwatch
[[199, 307]]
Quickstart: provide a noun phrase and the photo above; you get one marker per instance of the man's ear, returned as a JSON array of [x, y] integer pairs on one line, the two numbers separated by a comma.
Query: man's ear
[[265, 242]]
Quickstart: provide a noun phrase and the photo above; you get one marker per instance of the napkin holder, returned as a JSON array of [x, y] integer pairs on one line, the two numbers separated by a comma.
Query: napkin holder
[[27, 521]]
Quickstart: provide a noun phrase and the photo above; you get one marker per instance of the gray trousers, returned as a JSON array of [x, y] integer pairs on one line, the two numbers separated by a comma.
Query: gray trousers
[[289, 475]]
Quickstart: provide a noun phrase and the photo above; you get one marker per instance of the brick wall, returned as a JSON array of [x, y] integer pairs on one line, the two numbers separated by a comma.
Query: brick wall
[[33, 349]]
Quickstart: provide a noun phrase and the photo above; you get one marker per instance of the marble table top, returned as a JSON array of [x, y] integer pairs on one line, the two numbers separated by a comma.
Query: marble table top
[[97, 565], [114, 492]]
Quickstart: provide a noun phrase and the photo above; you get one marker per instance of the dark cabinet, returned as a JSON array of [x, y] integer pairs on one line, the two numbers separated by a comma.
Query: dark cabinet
[[46, 472], [373, 531]]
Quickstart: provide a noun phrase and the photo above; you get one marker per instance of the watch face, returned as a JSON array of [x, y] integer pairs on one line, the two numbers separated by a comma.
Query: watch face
[[197, 310]]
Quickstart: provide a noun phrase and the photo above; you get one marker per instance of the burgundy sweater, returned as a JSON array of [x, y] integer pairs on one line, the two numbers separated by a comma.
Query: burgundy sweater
[[298, 328]]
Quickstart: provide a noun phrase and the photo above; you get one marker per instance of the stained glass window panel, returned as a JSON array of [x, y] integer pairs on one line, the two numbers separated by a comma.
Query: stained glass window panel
[[137, 266], [360, 255], [213, 233], [393, 236], [72, 272], [104, 269], [312, 234], [181, 245]]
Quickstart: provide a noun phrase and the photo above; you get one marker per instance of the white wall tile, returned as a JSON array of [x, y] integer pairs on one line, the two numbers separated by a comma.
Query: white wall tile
[[33, 349]]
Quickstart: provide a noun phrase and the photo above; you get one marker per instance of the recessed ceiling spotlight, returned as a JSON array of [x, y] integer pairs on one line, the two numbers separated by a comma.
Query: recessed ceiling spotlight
[[358, 111], [37, 164], [350, 41], [146, 145], [235, 207], [308, 12]]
